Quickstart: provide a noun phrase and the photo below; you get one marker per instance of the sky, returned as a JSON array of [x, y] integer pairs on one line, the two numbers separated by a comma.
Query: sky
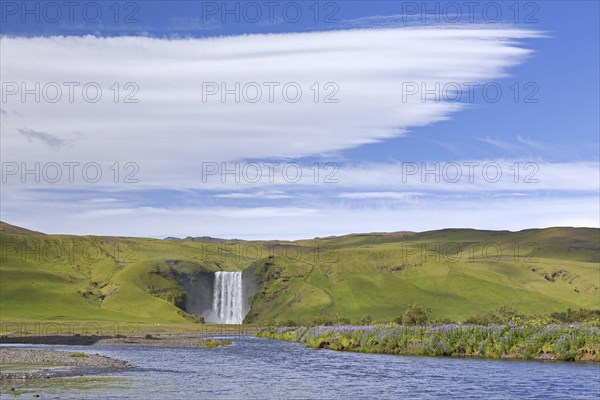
[[298, 119]]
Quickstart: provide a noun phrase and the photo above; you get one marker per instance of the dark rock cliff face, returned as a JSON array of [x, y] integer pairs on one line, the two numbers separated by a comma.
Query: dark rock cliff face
[[198, 287]]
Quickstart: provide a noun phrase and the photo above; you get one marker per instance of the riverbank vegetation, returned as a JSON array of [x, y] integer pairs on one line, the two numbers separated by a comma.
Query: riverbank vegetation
[[573, 335], [530, 340]]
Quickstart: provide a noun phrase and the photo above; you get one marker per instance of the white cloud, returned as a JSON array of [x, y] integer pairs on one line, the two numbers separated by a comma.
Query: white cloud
[[277, 182], [171, 129], [269, 195], [103, 200]]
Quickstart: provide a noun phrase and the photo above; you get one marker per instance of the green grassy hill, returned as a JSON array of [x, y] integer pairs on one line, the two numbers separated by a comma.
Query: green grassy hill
[[455, 272]]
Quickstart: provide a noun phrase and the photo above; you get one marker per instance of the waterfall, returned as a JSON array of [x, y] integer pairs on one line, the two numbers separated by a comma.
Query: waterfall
[[227, 297]]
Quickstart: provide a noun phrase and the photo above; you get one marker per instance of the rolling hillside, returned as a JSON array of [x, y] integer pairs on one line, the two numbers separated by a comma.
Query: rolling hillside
[[455, 272]]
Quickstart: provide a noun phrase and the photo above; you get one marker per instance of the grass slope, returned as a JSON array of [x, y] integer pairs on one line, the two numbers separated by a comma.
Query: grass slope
[[456, 272]]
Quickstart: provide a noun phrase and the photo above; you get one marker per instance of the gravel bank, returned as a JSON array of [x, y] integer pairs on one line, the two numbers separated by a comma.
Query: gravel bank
[[83, 365]]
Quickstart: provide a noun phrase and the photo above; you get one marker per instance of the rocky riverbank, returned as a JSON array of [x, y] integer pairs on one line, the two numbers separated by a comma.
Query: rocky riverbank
[[40, 364]]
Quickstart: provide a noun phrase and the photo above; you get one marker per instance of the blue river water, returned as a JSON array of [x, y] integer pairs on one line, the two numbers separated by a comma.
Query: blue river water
[[253, 368]]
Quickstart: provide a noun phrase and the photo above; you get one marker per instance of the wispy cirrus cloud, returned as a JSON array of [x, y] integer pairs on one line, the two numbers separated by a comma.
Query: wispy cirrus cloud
[[379, 195], [502, 144]]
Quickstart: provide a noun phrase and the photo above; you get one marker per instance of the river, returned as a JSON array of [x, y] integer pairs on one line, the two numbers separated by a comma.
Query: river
[[254, 368]]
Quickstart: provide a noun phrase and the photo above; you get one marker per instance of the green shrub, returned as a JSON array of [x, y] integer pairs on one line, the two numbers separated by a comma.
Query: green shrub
[[416, 315]]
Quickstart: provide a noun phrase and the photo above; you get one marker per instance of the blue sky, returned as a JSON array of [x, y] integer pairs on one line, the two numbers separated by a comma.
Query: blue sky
[[370, 51]]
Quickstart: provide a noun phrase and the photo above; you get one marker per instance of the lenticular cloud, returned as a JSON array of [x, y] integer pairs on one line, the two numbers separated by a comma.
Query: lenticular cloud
[[253, 96]]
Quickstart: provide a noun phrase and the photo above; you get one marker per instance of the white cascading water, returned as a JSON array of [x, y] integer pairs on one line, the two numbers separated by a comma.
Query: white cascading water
[[227, 297]]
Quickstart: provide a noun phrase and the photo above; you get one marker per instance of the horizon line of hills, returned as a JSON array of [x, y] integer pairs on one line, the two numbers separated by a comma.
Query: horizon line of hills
[[7, 228]]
